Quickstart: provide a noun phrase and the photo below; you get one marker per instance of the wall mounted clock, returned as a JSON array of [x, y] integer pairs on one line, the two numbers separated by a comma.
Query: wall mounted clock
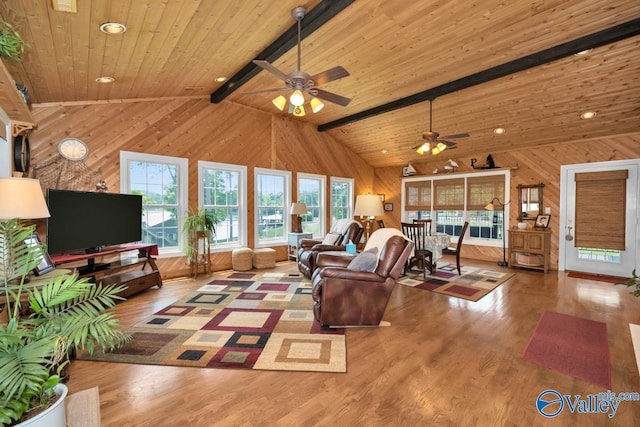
[[21, 154], [73, 149]]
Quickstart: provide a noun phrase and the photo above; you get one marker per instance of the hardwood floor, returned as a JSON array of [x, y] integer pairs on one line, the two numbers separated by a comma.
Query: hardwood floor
[[443, 361]]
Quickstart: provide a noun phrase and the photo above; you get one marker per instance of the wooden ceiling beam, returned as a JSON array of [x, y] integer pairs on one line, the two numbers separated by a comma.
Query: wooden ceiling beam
[[600, 38], [313, 20]]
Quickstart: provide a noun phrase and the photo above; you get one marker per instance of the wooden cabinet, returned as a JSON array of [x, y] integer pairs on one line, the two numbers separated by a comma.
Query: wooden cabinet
[[138, 273], [530, 249]]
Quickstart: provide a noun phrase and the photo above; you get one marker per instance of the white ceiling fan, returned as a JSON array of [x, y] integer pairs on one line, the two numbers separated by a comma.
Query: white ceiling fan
[[300, 82]]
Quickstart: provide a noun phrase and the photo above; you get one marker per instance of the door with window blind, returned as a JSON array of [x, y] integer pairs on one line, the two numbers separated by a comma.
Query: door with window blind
[[598, 228]]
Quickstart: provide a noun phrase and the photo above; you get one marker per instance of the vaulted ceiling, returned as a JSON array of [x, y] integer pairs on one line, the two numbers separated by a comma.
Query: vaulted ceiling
[[393, 49]]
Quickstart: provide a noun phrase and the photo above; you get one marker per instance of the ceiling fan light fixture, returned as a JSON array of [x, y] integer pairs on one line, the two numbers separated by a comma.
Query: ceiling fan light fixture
[[316, 104], [424, 148], [297, 98], [280, 102], [298, 111], [441, 147]]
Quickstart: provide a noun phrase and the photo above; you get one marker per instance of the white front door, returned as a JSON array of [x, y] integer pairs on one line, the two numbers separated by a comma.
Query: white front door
[[595, 260]]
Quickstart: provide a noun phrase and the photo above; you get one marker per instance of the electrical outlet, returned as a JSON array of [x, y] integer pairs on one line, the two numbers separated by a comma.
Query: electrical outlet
[[547, 210]]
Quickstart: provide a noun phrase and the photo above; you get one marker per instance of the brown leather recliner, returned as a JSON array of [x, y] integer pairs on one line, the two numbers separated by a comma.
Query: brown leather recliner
[[309, 248], [343, 297]]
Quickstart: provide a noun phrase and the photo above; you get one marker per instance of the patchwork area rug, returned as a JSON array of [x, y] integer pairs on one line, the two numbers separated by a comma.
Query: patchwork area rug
[[573, 346], [238, 320], [473, 284]]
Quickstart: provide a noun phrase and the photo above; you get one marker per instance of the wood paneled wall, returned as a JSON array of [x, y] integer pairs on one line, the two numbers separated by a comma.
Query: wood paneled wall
[[195, 129], [529, 166]]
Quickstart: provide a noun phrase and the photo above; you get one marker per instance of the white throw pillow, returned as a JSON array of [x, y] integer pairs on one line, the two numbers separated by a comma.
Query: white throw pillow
[[331, 238]]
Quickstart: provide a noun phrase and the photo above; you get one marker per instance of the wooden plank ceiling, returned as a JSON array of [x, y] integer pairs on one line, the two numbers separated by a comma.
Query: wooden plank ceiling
[[392, 49]]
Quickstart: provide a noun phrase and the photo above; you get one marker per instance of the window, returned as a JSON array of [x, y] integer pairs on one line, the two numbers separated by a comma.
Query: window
[[222, 193], [162, 182], [272, 200], [452, 201], [341, 198], [311, 193]]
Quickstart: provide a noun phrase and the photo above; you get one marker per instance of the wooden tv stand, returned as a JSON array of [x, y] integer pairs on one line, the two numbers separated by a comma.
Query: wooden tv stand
[[117, 271]]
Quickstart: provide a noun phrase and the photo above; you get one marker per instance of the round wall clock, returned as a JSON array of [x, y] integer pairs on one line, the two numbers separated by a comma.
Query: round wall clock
[[21, 154], [73, 149]]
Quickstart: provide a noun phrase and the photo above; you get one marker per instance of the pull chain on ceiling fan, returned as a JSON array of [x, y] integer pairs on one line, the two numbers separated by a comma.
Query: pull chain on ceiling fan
[[433, 142], [300, 82]]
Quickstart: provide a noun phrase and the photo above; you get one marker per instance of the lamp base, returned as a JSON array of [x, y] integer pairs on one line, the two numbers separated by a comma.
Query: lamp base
[[503, 264]]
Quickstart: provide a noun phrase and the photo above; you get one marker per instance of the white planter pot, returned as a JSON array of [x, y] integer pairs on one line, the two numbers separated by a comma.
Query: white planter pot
[[522, 225], [54, 416]]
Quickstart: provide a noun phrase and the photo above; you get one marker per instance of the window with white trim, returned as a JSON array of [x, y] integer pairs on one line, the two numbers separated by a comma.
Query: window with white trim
[[311, 189], [222, 192], [450, 201], [272, 201], [341, 198], [162, 182]]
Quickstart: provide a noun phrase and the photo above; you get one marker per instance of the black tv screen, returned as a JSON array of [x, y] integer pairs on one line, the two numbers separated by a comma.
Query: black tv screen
[[87, 221]]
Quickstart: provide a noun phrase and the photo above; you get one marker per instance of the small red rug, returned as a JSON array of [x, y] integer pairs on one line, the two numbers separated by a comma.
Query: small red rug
[[573, 346], [597, 277]]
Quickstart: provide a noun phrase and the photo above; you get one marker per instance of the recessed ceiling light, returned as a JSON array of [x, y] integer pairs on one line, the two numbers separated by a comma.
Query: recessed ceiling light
[[499, 131], [220, 79], [105, 79], [583, 52], [113, 28], [384, 151], [588, 115]]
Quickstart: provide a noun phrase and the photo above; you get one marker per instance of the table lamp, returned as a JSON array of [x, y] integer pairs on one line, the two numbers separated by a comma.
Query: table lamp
[[492, 207], [22, 198], [298, 209], [369, 206]]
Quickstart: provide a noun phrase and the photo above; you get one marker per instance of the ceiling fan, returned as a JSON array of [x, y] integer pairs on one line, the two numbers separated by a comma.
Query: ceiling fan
[[300, 82], [435, 143]]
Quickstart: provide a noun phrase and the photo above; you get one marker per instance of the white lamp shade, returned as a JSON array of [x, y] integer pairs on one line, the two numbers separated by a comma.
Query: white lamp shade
[[298, 209], [297, 98], [368, 205], [316, 105], [280, 102], [22, 198]]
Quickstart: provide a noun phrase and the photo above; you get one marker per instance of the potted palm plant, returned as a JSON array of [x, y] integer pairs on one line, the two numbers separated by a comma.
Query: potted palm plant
[[44, 321], [198, 228], [634, 283], [11, 43]]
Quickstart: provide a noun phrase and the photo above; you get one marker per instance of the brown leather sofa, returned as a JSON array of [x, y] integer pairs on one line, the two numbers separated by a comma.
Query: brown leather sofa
[[309, 248], [344, 297]]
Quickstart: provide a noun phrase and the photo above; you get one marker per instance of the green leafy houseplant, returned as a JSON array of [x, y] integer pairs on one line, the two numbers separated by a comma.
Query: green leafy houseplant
[[63, 313], [199, 222], [634, 283], [11, 43]]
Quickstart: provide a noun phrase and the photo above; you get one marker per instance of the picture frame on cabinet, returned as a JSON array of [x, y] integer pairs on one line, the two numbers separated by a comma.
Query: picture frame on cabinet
[[542, 221]]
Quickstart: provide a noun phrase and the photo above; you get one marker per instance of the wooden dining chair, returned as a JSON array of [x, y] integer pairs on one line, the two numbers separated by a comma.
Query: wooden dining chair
[[422, 257], [426, 222], [456, 251]]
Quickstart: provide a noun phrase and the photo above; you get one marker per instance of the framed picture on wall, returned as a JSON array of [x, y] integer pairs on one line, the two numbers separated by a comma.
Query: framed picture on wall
[[388, 207], [542, 221]]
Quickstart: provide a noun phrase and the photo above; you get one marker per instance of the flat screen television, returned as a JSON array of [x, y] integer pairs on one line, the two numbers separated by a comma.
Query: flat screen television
[[83, 221]]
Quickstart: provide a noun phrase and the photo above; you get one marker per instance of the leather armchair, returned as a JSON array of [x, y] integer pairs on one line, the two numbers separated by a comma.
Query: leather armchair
[[343, 297], [309, 248]]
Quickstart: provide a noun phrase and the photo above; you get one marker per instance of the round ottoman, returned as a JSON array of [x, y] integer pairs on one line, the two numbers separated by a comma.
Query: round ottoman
[[241, 259], [264, 258]]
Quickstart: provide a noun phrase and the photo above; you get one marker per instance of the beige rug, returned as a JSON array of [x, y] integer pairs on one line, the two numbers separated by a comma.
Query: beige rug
[[83, 408], [248, 320], [472, 284]]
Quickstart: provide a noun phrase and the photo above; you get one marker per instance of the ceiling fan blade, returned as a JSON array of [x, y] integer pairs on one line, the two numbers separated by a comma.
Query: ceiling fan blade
[[331, 97], [270, 68], [447, 143], [275, 89], [327, 76], [456, 136]]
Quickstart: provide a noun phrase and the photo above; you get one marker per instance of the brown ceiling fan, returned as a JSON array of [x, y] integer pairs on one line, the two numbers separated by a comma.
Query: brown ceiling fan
[[300, 82], [433, 142]]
